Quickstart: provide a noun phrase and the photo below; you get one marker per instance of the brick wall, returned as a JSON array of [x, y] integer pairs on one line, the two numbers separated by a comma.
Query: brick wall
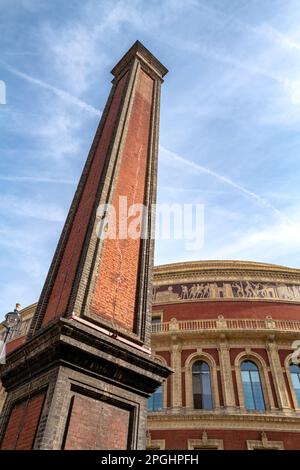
[[69, 264], [96, 425], [214, 353], [115, 288], [14, 344], [185, 353], [22, 425], [235, 309], [232, 439]]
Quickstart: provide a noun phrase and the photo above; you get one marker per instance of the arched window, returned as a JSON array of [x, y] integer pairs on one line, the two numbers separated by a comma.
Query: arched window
[[155, 402], [295, 375], [202, 395], [254, 399]]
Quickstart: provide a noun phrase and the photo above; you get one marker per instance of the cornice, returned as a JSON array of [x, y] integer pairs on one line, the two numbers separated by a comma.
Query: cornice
[[221, 419], [222, 264], [206, 330], [224, 269], [139, 51], [202, 281], [80, 347]]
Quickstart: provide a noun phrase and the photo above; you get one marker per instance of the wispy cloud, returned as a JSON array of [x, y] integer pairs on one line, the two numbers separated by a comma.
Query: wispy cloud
[[29, 208], [57, 91], [251, 67], [253, 64], [25, 257], [201, 169], [267, 242], [36, 179], [261, 29], [267, 31], [175, 189]]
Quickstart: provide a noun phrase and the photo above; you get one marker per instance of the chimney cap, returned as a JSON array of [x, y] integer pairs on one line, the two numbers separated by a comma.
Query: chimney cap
[[140, 51]]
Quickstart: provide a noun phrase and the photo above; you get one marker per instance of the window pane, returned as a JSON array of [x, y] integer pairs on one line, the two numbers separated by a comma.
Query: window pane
[[248, 365], [206, 392], [155, 402], [196, 367], [298, 396], [254, 377], [254, 399], [246, 377], [248, 396], [204, 367], [197, 390], [295, 368], [258, 396], [296, 381], [150, 403], [158, 399], [202, 396], [295, 376]]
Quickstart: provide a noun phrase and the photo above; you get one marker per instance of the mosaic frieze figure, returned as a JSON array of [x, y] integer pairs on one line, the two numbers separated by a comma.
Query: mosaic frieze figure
[[226, 290]]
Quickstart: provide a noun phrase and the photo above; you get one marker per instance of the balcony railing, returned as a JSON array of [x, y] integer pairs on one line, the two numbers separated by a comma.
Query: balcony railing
[[222, 323]]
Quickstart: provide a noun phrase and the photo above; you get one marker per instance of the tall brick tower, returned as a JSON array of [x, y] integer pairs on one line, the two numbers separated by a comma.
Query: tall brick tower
[[82, 378]]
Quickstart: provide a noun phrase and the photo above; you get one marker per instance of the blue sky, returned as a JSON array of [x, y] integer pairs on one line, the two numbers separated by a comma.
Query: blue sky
[[229, 135]]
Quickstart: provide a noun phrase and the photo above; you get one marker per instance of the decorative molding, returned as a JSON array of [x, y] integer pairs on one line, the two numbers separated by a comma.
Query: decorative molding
[[205, 443], [279, 383], [214, 289], [176, 380], [218, 419], [226, 373], [145, 56], [224, 267], [156, 444], [2, 396], [230, 325], [265, 444]]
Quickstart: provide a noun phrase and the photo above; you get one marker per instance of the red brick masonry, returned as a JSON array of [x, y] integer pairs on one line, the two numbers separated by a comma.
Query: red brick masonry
[[22, 425], [115, 290]]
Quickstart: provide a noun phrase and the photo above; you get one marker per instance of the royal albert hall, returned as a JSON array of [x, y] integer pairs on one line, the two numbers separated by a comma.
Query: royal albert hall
[[227, 329]]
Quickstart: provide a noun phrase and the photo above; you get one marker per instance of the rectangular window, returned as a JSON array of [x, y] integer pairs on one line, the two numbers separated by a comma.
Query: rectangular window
[[155, 402], [296, 384]]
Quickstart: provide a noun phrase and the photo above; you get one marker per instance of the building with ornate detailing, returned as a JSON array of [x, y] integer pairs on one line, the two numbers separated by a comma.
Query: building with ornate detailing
[[214, 368], [226, 328]]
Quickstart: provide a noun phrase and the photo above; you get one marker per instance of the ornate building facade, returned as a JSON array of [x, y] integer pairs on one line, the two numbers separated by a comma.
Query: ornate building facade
[[82, 355], [227, 330], [17, 338]]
